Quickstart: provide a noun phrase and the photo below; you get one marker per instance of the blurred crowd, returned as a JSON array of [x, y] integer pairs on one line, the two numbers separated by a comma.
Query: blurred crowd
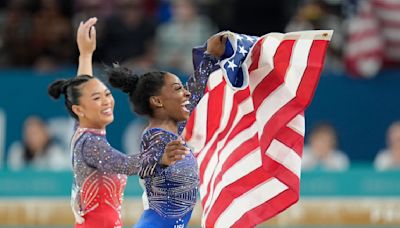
[[142, 34], [146, 34], [161, 33]]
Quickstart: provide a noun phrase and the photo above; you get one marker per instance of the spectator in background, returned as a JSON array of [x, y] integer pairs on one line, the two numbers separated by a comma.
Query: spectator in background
[[37, 150], [52, 37], [321, 152], [389, 158], [15, 32], [128, 36], [176, 38], [323, 14]]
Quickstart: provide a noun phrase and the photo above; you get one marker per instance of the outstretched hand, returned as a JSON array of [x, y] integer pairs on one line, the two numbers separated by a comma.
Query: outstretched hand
[[216, 44], [86, 36], [174, 151]]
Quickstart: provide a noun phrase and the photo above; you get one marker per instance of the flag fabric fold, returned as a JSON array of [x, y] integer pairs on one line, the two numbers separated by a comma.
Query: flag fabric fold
[[248, 129]]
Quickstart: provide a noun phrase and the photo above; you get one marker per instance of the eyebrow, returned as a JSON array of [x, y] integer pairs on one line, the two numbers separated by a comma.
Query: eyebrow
[[176, 83], [98, 93]]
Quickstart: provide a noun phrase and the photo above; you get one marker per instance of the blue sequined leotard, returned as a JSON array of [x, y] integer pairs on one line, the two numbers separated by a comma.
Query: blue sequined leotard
[[171, 192]]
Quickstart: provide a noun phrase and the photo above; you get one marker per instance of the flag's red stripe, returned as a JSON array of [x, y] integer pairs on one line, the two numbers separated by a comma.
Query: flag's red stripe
[[189, 126], [362, 35], [268, 209], [236, 155], [290, 138], [282, 173], [255, 55], [215, 106], [276, 77], [386, 5], [233, 191], [238, 97], [242, 124], [304, 94]]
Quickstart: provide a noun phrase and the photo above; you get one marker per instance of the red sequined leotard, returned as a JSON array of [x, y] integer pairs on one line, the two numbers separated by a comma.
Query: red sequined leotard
[[100, 178]]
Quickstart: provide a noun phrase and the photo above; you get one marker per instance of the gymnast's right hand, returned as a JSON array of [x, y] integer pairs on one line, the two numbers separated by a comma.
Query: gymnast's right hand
[[174, 151], [86, 37]]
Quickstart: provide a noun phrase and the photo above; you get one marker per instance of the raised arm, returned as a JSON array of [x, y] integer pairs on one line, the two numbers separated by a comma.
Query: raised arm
[[86, 40], [198, 81], [196, 84]]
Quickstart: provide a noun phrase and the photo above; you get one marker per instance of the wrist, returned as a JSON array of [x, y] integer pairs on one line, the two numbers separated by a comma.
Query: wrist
[[85, 56]]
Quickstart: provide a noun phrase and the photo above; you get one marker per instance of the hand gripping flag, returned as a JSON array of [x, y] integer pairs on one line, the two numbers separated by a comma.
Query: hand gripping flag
[[248, 129]]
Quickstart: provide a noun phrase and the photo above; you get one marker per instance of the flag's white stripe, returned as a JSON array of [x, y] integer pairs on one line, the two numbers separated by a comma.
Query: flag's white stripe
[[232, 145], [228, 102], [243, 108], [238, 170], [266, 61], [285, 155], [287, 91], [214, 79], [297, 124], [389, 14], [365, 45], [390, 2], [199, 127], [226, 111], [251, 199], [391, 34], [357, 25]]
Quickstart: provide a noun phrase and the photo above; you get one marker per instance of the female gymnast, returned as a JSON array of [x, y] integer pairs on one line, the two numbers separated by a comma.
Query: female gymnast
[[99, 169], [170, 193]]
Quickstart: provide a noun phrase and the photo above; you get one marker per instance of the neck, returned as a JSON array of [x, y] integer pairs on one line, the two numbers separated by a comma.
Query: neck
[[166, 124], [84, 124]]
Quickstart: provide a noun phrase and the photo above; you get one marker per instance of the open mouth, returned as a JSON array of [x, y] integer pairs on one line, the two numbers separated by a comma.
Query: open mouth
[[185, 106], [107, 112]]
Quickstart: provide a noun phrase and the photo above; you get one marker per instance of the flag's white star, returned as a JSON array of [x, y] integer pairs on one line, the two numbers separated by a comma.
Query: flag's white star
[[249, 38], [231, 65], [242, 50], [239, 37]]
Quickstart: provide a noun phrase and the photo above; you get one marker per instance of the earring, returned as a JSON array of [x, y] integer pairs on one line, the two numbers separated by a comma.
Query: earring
[[82, 114]]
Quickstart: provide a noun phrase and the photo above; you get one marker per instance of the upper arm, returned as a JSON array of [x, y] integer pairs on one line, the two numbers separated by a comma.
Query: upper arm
[[99, 154]]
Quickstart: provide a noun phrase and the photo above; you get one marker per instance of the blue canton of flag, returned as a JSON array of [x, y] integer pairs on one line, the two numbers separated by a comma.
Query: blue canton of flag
[[237, 48]]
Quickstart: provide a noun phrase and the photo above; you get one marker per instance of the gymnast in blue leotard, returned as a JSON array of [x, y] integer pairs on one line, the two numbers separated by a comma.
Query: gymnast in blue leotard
[[170, 193]]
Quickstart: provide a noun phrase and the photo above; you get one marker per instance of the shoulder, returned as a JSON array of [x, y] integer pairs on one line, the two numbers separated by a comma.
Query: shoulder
[[89, 137], [158, 135]]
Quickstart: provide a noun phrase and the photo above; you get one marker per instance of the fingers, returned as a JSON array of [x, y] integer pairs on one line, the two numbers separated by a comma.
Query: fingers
[[92, 33], [86, 29], [176, 151], [223, 39]]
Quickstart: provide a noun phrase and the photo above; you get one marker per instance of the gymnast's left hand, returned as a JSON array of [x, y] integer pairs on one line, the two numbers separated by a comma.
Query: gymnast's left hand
[[174, 151], [216, 44], [86, 37]]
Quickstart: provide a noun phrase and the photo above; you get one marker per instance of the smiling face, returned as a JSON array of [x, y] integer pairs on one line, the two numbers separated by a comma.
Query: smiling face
[[174, 98], [96, 105]]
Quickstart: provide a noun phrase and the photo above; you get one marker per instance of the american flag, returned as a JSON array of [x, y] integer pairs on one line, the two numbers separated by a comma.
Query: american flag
[[248, 129], [363, 51], [373, 37]]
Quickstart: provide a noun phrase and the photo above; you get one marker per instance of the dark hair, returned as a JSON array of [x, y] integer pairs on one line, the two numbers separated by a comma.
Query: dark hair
[[70, 90], [139, 88]]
